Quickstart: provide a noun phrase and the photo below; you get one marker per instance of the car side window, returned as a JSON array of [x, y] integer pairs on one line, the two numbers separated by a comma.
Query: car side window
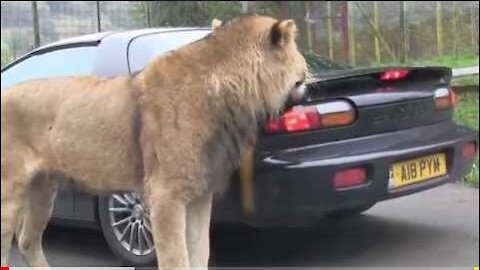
[[144, 49], [60, 63]]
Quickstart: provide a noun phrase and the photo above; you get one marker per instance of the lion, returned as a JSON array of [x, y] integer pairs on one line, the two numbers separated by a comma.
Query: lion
[[174, 132]]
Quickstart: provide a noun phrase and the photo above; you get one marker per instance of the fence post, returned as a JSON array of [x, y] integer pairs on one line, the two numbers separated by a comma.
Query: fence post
[[455, 28], [284, 9], [99, 21], [351, 34], [439, 27], [473, 26], [244, 7], [330, 31], [403, 32], [148, 10], [308, 26], [378, 54], [36, 24], [344, 29]]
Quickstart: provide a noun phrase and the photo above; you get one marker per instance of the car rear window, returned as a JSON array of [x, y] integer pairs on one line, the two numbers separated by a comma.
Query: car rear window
[[144, 49], [318, 64]]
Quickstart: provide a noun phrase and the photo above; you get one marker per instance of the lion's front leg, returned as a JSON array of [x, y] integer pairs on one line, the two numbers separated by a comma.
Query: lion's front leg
[[198, 230], [168, 218]]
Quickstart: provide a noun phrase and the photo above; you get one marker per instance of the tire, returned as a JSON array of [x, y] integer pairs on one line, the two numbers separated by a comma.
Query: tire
[[126, 214], [351, 212]]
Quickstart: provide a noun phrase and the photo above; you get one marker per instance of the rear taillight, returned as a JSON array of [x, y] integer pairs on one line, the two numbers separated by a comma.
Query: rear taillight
[[469, 150], [394, 74], [350, 178], [445, 98], [295, 120], [304, 118], [336, 113]]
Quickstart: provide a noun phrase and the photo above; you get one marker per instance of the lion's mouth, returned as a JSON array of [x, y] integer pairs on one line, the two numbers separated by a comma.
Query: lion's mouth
[[297, 95]]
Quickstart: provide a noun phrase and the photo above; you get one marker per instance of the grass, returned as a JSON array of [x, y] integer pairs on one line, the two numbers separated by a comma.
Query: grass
[[470, 80], [452, 61], [466, 113]]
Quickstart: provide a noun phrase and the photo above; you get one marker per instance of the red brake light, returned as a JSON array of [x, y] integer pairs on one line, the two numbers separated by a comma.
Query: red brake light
[[394, 74], [453, 97], [295, 120], [303, 118], [469, 150], [350, 178], [445, 98]]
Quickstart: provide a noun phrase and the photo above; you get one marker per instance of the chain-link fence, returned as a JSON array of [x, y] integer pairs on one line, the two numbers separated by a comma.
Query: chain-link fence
[[360, 33]]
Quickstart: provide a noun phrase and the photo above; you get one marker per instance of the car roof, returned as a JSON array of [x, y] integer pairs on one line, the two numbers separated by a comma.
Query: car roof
[[117, 40], [125, 35], [110, 45], [89, 38]]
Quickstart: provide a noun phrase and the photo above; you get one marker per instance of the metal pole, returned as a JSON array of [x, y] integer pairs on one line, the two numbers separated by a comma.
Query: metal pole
[[244, 7], [403, 32], [308, 26], [455, 29], [439, 27], [344, 28], [284, 9], [330, 30], [378, 53], [473, 25], [36, 24], [149, 13], [99, 21], [351, 34]]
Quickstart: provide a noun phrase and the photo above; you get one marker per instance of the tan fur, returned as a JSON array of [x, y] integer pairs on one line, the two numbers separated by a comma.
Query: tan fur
[[174, 132], [216, 23]]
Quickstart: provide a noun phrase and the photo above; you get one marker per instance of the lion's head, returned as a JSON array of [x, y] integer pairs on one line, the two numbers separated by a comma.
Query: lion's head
[[267, 60]]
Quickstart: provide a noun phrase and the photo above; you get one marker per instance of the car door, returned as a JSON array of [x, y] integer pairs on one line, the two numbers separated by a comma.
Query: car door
[[48, 63]]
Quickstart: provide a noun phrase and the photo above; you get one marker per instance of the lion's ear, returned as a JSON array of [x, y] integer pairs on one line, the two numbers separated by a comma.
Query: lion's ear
[[283, 32], [216, 23]]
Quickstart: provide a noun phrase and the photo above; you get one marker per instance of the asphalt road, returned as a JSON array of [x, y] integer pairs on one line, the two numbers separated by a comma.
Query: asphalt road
[[437, 228]]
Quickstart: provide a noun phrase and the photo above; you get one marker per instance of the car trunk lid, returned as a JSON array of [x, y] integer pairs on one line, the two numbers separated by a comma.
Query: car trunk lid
[[367, 87], [383, 103]]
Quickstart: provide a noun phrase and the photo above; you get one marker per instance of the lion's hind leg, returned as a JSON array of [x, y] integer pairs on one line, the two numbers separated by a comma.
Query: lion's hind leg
[[36, 214], [168, 218], [11, 206], [15, 180], [198, 230]]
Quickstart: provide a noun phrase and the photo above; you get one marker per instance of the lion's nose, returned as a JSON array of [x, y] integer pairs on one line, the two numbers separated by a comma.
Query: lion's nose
[[298, 93]]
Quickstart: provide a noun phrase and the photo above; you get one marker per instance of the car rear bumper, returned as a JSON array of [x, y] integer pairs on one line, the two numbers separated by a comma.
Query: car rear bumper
[[295, 186]]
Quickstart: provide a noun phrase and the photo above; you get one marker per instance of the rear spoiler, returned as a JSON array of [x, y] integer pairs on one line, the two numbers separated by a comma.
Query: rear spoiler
[[440, 72]]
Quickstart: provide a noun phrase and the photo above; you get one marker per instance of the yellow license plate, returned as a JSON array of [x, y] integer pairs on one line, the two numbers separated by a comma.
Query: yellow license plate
[[418, 170]]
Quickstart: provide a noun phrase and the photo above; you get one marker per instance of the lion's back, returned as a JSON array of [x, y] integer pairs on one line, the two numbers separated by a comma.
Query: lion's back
[[82, 126]]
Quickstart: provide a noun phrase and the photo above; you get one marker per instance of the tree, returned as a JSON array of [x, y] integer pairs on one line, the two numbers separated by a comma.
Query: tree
[[200, 13], [6, 54], [19, 43], [187, 13]]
